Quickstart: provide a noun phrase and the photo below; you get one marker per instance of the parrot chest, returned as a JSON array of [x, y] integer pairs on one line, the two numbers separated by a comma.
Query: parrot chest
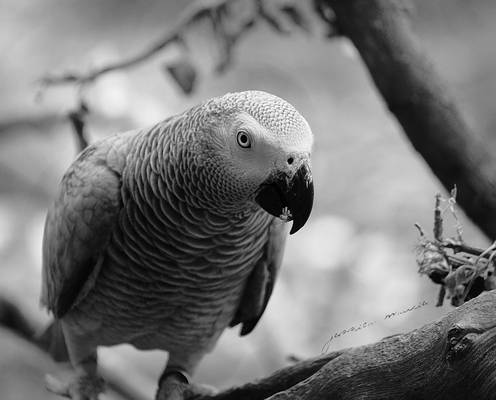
[[177, 284]]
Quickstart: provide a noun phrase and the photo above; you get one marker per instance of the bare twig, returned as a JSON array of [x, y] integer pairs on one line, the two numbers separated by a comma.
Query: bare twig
[[450, 262], [217, 11], [438, 219], [460, 247], [77, 118], [271, 20], [228, 39], [195, 12]]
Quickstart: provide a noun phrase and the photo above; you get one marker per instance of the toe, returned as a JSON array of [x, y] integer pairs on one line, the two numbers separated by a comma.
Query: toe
[[55, 386], [195, 390], [80, 388]]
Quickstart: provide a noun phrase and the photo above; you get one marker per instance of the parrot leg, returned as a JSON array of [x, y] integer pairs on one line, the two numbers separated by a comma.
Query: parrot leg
[[85, 384], [175, 382]]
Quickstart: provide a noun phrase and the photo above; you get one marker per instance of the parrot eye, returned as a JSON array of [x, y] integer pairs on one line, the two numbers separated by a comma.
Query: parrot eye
[[244, 140]]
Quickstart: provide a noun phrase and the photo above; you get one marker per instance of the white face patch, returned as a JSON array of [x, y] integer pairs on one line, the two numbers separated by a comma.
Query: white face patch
[[275, 131], [284, 124]]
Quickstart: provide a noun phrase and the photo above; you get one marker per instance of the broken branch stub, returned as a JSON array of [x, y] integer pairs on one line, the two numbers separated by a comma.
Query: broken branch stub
[[462, 271]]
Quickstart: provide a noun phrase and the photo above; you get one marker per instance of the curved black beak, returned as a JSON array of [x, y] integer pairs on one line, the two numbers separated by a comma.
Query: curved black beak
[[291, 200]]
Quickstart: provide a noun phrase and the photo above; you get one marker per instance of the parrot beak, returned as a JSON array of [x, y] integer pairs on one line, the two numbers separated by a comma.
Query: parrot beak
[[290, 200]]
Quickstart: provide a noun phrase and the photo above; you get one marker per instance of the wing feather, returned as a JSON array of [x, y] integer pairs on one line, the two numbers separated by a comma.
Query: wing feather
[[77, 229], [261, 281]]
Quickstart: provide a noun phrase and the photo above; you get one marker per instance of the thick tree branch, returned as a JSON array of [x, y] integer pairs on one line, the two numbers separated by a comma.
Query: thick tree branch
[[450, 359], [415, 94], [277, 382]]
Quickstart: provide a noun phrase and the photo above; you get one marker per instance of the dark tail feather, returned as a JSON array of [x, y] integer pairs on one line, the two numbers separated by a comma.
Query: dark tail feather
[[52, 340]]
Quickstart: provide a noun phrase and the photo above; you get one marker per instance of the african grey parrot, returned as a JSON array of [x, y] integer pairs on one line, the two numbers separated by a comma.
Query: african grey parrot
[[163, 237]]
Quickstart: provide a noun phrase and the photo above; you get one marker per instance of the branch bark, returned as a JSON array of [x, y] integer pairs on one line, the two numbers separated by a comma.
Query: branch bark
[[415, 94], [450, 359]]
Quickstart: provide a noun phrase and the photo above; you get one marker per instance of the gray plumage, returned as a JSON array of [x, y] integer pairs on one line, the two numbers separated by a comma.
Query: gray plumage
[[157, 238]]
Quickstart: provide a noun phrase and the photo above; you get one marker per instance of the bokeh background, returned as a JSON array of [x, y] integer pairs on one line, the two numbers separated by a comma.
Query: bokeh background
[[353, 263]]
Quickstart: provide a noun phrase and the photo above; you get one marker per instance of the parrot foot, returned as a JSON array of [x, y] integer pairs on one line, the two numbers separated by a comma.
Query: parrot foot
[[82, 387], [175, 385]]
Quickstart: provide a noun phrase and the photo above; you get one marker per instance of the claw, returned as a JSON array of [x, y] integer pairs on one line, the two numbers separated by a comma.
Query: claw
[[55, 386], [194, 390], [84, 387]]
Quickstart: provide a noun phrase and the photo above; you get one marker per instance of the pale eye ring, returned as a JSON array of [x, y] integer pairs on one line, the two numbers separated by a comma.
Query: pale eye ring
[[243, 139]]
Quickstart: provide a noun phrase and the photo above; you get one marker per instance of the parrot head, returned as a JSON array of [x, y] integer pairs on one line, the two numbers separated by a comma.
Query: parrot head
[[260, 146]]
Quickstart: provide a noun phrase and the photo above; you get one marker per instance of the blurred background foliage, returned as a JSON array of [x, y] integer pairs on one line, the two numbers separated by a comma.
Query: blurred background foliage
[[353, 263]]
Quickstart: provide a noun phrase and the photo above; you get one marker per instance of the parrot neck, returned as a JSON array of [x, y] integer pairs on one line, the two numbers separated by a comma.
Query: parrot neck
[[171, 165]]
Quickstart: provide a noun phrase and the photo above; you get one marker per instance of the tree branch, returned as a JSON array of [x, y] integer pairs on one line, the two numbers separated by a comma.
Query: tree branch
[[77, 118], [218, 12], [196, 11], [417, 97], [277, 382], [450, 359]]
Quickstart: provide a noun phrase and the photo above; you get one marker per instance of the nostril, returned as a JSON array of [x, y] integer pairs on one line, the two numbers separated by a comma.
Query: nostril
[[290, 160]]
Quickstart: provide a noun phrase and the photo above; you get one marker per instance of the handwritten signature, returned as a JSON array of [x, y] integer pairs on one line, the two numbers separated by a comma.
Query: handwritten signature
[[367, 324]]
